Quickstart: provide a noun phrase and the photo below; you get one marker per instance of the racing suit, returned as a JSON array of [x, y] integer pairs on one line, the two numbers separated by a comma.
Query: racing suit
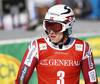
[[58, 66]]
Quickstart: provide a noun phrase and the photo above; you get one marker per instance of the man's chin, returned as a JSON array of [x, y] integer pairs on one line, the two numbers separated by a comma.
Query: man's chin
[[54, 41]]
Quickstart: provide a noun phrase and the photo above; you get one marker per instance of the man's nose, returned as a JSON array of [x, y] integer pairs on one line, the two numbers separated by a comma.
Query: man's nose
[[51, 31]]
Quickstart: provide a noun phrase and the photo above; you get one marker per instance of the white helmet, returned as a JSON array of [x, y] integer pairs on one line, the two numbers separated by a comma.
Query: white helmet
[[60, 14]]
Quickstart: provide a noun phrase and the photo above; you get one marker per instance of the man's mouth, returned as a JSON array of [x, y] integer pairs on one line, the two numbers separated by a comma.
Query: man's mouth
[[52, 37]]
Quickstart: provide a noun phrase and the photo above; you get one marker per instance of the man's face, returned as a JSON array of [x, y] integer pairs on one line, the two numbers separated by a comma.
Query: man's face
[[55, 37]]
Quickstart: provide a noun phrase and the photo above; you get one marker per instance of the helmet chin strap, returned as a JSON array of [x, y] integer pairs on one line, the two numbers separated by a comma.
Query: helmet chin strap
[[65, 36], [64, 39]]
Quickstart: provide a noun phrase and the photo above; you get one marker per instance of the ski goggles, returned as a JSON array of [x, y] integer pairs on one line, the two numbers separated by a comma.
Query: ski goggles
[[54, 26]]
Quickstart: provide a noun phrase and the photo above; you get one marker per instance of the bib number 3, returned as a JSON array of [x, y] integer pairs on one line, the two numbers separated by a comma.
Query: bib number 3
[[61, 75]]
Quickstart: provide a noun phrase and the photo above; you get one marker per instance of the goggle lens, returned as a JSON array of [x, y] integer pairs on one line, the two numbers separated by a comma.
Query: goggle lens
[[54, 26]]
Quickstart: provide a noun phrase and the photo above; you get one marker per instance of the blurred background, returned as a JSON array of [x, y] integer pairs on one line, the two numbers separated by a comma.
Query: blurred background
[[21, 22]]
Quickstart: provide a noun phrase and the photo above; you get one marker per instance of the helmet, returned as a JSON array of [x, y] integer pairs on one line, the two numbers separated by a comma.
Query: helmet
[[60, 16]]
